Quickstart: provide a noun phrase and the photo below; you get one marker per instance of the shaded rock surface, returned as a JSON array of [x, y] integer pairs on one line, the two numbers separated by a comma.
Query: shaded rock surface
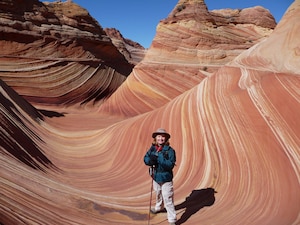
[[133, 51]]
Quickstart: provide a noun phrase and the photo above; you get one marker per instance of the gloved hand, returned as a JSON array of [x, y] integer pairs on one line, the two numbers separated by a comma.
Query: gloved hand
[[153, 159]]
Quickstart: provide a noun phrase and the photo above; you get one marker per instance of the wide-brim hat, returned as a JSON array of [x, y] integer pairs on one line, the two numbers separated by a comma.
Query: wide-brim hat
[[161, 131]]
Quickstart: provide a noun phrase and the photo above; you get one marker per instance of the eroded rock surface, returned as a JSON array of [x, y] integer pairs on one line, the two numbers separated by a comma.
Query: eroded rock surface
[[133, 51], [59, 52], [234, 126], [190, 45]]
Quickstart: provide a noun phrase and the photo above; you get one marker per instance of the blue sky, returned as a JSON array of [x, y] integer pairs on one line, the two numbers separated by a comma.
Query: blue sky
[[137, 19]]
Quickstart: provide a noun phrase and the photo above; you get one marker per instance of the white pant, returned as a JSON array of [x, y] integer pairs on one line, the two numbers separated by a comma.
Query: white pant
[[165, 198]]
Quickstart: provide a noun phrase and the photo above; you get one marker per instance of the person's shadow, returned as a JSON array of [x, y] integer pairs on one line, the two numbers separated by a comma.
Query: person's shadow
[[194, 202]]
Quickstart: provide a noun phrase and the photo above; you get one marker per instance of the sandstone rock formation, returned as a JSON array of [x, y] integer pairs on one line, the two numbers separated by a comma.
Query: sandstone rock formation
[[189, 46], [133, 51], [233, 119], [59, 51]]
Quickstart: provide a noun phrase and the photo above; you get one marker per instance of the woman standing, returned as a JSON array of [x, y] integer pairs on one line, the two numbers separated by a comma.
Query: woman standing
[[161, 157]]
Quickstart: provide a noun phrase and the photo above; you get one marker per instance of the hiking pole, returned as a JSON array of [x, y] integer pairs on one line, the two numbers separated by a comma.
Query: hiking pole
[[151, 170]]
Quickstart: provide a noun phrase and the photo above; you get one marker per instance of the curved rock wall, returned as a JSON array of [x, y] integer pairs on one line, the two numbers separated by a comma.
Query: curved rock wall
[[57, 54], [234, 126]]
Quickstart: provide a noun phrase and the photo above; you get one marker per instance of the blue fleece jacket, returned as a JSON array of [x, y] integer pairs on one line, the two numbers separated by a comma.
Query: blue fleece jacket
[[166, 158]]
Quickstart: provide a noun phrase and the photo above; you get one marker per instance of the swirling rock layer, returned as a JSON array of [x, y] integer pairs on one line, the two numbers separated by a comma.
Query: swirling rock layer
[[234, 126], [189, 46], [57, 54]]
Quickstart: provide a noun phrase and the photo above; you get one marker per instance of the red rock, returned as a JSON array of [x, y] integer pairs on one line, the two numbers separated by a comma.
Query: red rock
[[234, 126], [133, 51], [189, 46], [61, 54]]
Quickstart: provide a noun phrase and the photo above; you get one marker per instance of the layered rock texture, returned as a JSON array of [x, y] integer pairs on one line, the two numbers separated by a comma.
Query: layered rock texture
[[60, 53], [132, 51], [77, 116]]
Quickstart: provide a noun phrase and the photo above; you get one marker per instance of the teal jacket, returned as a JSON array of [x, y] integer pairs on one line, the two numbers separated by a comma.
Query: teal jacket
[[166, 158]]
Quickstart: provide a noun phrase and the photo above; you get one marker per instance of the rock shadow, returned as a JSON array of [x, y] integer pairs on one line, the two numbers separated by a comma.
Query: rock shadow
[[51, 113], [194, 202]]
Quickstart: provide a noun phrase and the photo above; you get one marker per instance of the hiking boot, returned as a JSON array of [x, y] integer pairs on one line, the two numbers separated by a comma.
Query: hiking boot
[[153, 211]]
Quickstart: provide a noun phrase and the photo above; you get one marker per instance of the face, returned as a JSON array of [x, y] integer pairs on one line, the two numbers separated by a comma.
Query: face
[[160, 139]]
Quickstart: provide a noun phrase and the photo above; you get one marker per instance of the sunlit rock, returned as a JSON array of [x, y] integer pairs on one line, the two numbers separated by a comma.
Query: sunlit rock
[[234, 126]]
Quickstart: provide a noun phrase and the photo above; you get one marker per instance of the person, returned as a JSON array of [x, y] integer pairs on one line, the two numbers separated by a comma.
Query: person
[[161, 158]]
